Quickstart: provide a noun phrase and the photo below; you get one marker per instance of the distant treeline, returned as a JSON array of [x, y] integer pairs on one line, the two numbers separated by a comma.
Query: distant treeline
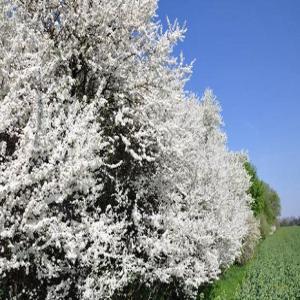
[[290, 221]]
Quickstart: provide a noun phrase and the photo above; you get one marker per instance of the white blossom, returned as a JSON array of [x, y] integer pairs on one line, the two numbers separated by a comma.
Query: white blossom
[[110, 173]]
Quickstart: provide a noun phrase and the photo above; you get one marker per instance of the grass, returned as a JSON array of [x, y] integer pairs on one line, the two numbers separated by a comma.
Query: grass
[[273, 274], [228, 285]]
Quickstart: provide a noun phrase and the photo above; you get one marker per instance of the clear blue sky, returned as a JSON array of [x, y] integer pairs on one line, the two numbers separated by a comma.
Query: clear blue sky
[[248, 52]]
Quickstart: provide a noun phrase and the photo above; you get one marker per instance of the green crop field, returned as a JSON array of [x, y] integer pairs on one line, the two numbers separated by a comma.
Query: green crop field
[[274, 274]]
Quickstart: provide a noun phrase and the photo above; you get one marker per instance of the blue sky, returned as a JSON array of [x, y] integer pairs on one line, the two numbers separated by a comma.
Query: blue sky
[[248, 52]]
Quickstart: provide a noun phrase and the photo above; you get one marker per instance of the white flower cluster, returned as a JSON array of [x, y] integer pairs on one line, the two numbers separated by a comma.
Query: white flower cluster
[[110, 173]]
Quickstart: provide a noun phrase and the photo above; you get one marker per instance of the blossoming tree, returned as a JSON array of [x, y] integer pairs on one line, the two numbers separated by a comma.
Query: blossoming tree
[[110, 174]]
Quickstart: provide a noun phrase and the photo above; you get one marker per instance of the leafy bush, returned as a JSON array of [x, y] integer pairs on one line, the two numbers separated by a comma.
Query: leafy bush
[[271, 208], [266, 202], [256, 190], [250, 241]]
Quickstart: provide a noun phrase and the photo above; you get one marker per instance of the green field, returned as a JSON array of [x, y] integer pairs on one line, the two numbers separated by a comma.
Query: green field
[[273, 274]]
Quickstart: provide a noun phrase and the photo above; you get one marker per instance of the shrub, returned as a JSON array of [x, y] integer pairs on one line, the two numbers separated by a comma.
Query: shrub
[[250, 241], [111, 175], [266, 202]]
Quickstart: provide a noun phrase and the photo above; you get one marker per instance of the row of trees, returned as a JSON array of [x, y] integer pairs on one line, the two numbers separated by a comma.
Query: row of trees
[[113, 179], [290, 221], [266, 204], [266, 210]]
